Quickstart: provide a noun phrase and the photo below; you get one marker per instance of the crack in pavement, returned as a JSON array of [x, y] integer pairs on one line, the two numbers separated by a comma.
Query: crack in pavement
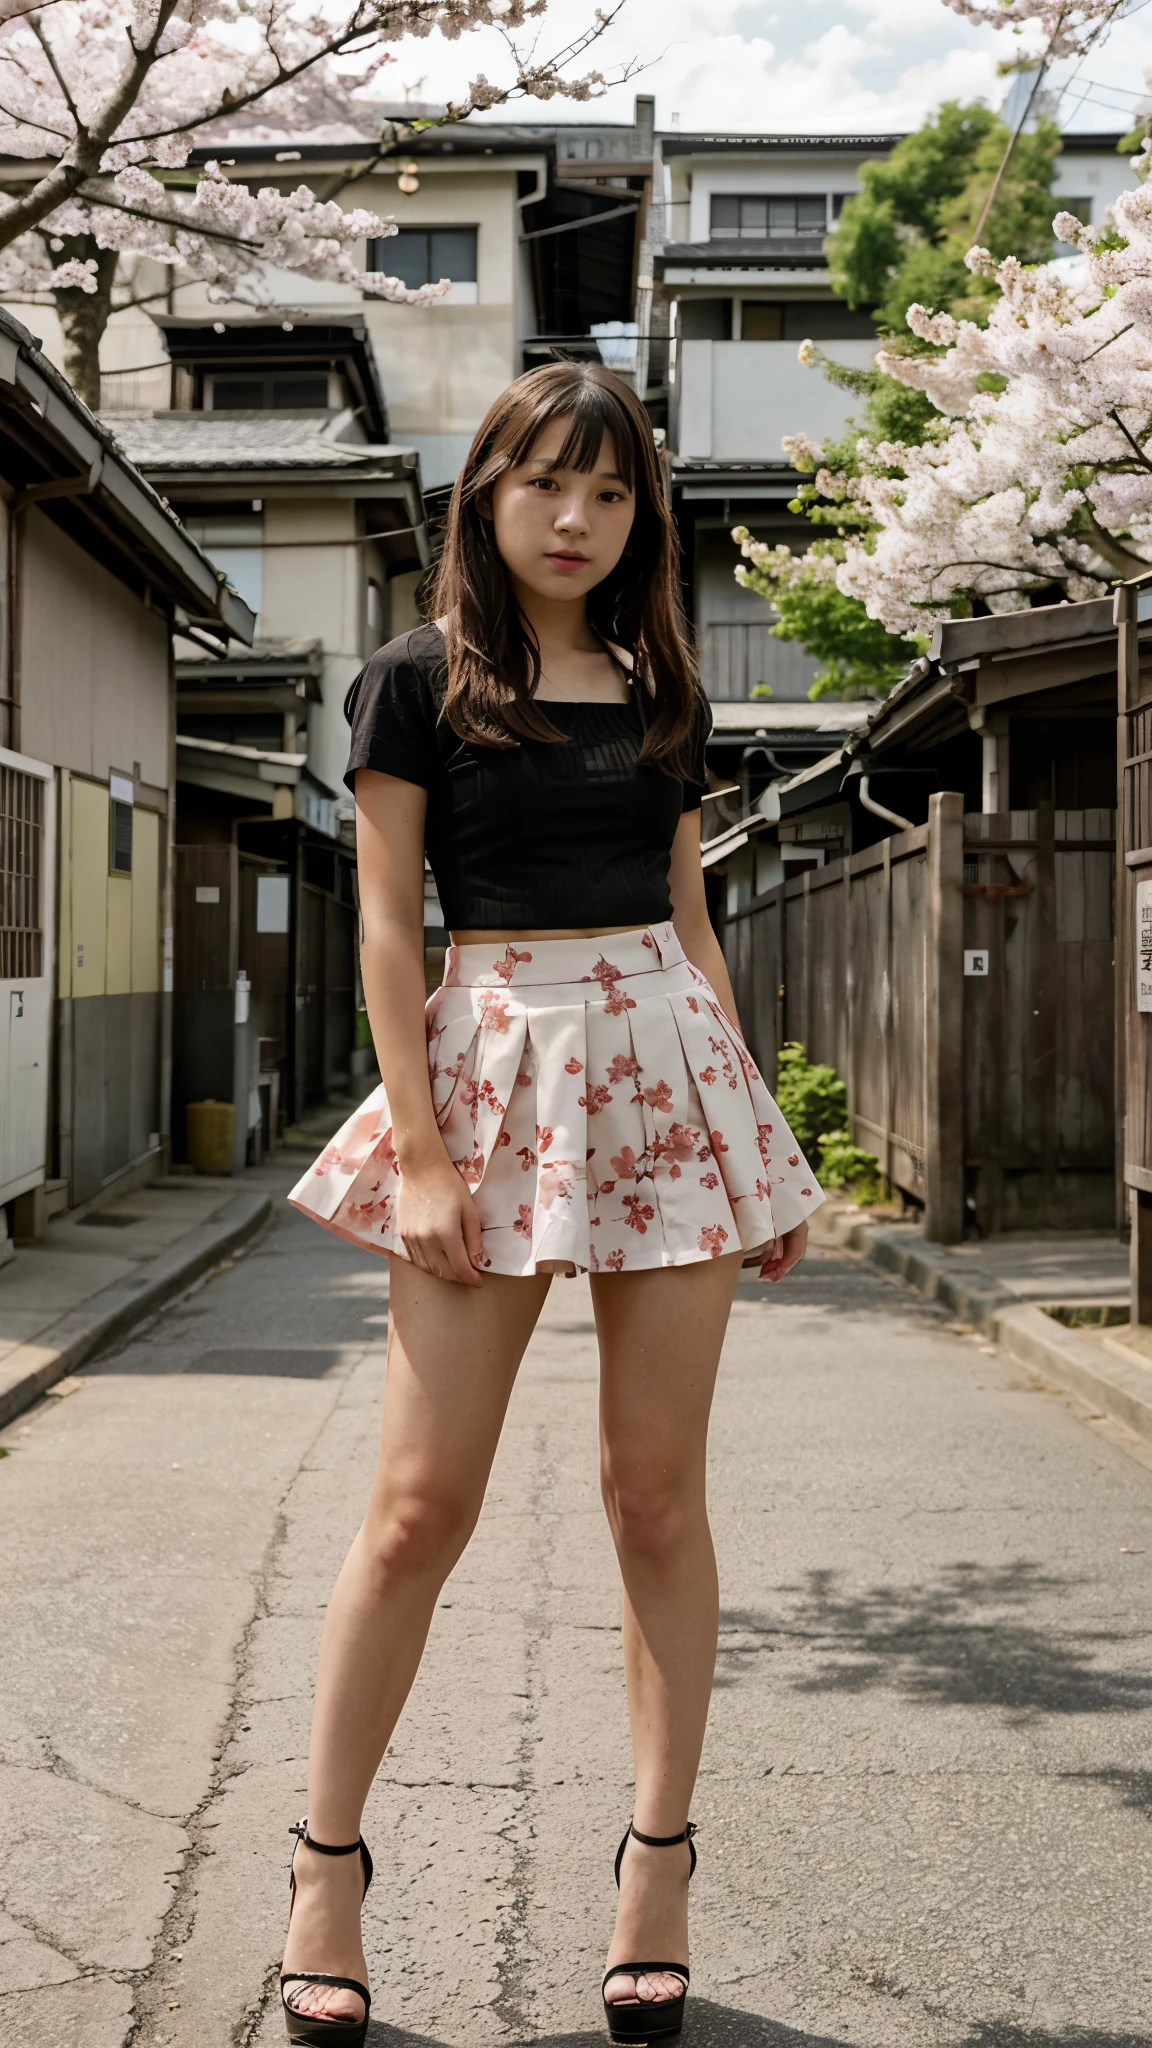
[[150, 2008], [512, 1934]]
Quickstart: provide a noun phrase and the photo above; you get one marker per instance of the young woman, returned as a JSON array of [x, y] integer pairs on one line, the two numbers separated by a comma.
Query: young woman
[[576, 1097]]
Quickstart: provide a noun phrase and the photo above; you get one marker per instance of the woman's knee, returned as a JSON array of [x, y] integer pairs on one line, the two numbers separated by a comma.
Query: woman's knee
[[652, 1515], [418, 1531]]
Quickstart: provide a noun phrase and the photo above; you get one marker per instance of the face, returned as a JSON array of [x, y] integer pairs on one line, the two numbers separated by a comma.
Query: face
[[561, 531]]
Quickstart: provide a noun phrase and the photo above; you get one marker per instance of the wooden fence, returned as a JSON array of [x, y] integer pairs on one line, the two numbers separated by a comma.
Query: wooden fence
[[987, 1094]]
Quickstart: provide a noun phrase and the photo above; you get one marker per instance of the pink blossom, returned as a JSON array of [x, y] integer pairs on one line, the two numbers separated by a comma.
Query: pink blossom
[[640, 1212], [596, 1099], [712, 1239], [659, 1096], [494, 1012]]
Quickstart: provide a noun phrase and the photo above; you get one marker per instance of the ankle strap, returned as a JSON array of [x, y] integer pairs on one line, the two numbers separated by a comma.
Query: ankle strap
[[662, 1841], [300, 1830]]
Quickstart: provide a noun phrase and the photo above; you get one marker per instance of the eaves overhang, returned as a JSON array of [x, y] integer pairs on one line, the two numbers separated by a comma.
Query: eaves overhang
[[252, 764], [197, 342], [59, 456]]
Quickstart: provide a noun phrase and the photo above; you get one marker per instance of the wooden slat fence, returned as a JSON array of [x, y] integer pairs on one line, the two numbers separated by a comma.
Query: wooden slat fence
[[987, 1097]]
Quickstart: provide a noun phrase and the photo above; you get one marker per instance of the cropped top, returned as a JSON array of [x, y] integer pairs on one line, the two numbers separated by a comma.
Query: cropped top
[[542, 836]]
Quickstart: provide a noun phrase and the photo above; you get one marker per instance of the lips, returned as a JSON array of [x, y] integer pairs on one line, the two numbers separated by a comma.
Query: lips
[[567, 561]]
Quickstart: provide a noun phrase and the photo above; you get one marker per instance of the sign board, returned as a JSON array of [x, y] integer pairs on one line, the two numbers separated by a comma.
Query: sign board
[[208, 892], [1144, 946], [976, 963], [272, 903]]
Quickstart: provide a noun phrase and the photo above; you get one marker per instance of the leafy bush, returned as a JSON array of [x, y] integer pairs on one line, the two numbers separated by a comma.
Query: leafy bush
[[814, 1101], [812, 1098], [847, 1166]]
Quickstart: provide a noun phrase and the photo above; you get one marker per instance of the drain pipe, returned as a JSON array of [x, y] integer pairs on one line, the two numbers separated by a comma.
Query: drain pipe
[[881, 810]]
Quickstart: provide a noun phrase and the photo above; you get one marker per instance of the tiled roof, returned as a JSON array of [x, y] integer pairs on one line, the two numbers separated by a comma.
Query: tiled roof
[[241, 441]]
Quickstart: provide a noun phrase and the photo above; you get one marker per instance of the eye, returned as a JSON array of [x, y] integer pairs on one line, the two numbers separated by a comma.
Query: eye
[[545, 483], [612, 497]]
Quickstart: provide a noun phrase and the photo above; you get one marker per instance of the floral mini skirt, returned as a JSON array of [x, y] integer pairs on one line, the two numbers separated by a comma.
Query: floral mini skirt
[[599, 1104]]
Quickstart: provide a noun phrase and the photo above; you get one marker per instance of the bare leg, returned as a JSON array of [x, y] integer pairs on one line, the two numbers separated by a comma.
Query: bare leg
[[660, 1338], [453, 1354]]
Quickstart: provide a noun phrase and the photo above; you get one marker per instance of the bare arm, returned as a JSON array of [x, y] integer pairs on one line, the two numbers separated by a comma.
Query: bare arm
[[436, 1218], [695, 933], [690, 913]]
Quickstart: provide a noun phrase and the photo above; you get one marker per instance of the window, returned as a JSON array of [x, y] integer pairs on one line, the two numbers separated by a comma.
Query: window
[[760, 321], [706, 319], [803, 320], [424, 255], [21, 837], [268, 391], [763, 217], [120, 838], [1082, 208]]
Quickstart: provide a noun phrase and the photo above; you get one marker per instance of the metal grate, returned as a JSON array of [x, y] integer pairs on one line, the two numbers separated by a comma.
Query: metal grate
[[21, 862]]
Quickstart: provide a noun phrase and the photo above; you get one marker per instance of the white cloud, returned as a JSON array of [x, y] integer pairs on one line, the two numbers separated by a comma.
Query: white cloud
[[862, 66]]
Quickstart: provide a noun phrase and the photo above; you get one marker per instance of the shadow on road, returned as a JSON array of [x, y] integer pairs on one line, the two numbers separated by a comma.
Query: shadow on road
[[724, 2026], [961, 1639], [1133, 1787]]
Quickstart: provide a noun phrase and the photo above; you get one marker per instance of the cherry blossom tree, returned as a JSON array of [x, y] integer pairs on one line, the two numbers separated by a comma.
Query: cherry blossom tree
[[1038, 477], [105, 101], [1068, 28]]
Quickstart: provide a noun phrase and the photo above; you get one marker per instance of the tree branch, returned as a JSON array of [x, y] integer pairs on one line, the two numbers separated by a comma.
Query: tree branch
[[1138, 452], [168, 220], [50, 56]]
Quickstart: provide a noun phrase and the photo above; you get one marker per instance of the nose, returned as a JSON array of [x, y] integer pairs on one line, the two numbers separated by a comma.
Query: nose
[[572, 515]]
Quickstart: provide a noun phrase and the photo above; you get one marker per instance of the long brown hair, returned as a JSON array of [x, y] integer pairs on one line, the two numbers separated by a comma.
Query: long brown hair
[[493, 656]]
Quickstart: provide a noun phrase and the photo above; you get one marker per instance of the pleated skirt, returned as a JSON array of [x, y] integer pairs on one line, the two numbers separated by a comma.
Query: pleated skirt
[[599, 1105]]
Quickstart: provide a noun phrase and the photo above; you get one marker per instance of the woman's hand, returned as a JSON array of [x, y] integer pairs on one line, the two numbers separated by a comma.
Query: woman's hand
[[437, 1222], [785, 1253]]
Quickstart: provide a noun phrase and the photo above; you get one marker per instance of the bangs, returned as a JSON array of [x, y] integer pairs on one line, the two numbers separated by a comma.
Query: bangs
[[591, 411]]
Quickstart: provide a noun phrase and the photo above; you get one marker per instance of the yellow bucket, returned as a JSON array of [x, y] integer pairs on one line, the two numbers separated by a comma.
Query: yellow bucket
[[209, 1126]]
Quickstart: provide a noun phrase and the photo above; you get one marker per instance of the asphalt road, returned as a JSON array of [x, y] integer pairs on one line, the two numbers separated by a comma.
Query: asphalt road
[[926, 1805]]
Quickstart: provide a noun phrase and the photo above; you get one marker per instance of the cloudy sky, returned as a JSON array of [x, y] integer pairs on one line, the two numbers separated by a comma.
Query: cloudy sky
[[808, 65]]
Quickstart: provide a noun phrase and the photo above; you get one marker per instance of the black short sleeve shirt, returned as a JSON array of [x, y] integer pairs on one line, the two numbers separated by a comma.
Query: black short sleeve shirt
[[542, 836]]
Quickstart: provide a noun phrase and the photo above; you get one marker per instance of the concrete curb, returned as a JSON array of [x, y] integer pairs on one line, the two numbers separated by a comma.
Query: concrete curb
[[32, 1368], [1068, 1360]]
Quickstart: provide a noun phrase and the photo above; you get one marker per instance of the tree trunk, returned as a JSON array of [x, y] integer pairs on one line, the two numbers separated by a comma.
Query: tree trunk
[[85, 315]]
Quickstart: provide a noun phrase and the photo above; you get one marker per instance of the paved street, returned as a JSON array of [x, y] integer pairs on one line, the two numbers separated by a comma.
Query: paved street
[[926, 1802]]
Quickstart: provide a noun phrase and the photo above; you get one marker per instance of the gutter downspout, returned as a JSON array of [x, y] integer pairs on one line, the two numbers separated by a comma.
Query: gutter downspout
[[881, 810]]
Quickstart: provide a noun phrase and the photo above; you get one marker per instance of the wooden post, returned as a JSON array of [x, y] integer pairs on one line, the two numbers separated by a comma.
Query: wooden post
[[846, 963], [1127, 693], [943, 1022], [1140, 1256], [1045, 1021], [889, 1008]]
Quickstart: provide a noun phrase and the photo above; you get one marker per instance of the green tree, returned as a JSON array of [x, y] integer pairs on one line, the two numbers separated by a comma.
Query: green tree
[[900, 241]]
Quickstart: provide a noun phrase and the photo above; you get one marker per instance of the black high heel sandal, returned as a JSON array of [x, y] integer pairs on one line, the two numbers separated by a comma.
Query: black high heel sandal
[[659, 2018], [312, 2030]]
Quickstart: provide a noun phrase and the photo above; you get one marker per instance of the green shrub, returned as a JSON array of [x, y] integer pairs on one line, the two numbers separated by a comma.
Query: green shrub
[[812, 1098], [847, 1166]]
